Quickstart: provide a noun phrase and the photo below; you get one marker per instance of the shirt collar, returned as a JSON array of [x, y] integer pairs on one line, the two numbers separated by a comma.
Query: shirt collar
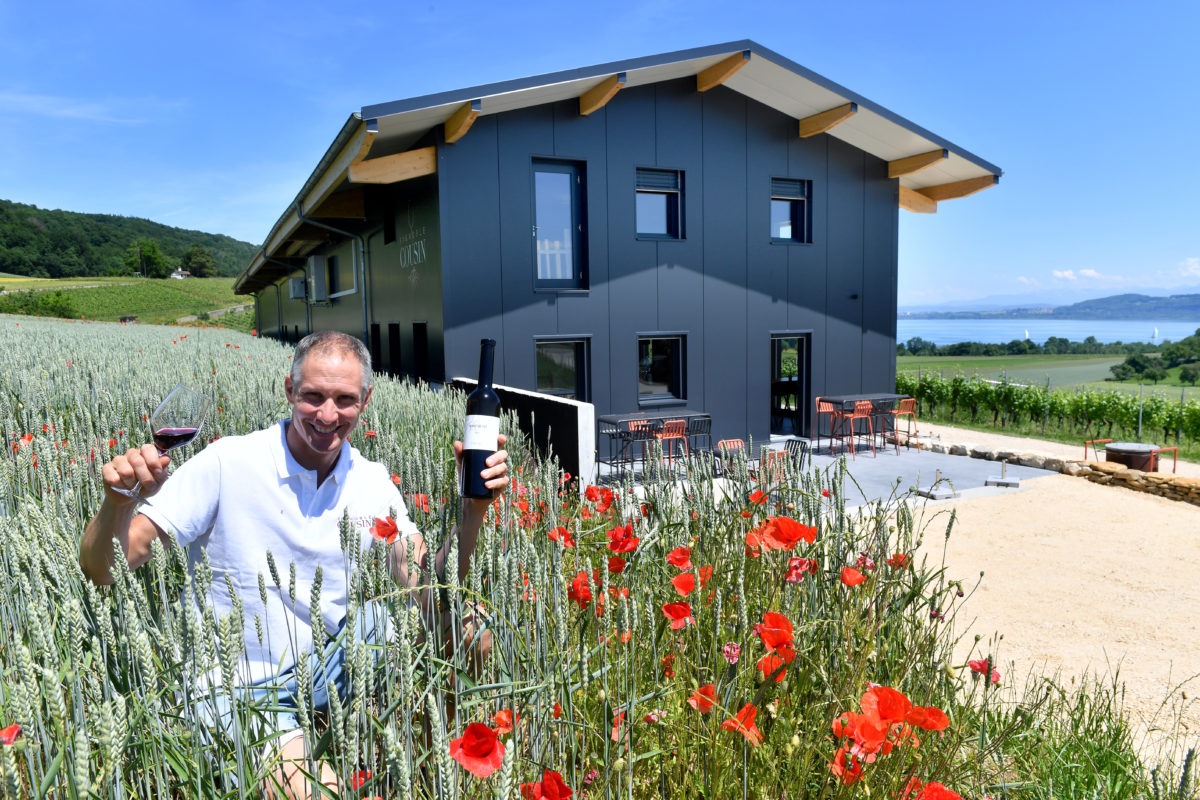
[[289, 467]]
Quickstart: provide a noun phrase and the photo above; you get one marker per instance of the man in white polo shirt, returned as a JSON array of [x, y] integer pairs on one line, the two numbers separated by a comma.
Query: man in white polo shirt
[[283, 491]]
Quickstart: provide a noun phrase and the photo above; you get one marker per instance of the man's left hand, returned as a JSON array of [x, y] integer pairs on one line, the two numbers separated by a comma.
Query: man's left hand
[[496, 475]]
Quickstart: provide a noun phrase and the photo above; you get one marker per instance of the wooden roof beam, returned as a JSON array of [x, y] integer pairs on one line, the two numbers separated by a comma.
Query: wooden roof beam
[[395, 168], [911, 164], [951, 191], [721, 71], [369, 132], [461, 120], [916, 202], [598, 96], [343, 205], [826, 120]]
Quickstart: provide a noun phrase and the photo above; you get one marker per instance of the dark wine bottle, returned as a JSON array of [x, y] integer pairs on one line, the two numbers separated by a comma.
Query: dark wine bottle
[[482, 428]]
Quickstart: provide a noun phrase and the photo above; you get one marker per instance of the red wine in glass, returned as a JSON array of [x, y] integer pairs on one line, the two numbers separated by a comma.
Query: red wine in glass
[[166, 439], [176, 422]]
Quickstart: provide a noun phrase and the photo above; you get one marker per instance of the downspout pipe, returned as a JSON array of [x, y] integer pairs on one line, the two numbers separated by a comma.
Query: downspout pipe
[[360, 266]]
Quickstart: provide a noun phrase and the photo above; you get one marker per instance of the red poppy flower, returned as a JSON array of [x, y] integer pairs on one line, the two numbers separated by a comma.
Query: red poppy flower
[[385, 530], [504, 721], [768, 664], [899, 560], [824, 493], [852, 577], [845, 767], [775, 631], [27, 438], [667, 661], [680, 557], [550, 787], [616, 565], [557, 709], [360, 778], [622, 540], [928, 718], [684, 583], [580, 591], [479, 750], [618, 718], [743, 723], [705, 574], [395, 479], [935, 791], [704, 698], [784, 533], [884, 702], [680, 614], [9, 735], [421, 501], [561, 534], [758, 497], [980, 666], [592, 494]]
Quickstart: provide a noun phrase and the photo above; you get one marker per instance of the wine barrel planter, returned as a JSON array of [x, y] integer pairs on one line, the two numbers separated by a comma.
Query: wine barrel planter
[[1134, 455]]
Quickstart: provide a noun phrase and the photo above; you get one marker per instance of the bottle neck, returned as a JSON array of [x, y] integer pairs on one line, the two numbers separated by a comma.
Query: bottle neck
[[487, 353]]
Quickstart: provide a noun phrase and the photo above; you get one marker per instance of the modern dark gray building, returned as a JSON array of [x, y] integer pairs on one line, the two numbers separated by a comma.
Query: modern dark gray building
[[712, 229]]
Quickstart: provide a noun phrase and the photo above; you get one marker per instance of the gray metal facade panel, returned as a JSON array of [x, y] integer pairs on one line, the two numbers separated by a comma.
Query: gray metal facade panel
[[522, 136], [586, 314], [472, 247], [845, 270], [266, 311], [724, 323], [406, 276], [339, 313], [808, 159], [633, 281], [880, 216], [679, 145]]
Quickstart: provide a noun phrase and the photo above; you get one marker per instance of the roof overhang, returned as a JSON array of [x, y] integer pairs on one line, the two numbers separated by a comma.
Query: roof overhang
[[929, 168]]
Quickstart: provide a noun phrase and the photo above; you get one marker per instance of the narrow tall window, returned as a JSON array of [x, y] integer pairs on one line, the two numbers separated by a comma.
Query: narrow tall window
[[562, 368], [559, 229], [660, 204], [791, 211], [661, 371]]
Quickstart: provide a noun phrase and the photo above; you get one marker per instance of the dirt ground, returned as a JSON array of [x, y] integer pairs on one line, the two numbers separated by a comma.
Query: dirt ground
[[1080, 577]]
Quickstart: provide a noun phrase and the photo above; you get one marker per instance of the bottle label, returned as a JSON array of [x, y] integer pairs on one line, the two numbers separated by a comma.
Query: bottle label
[[481, 432]]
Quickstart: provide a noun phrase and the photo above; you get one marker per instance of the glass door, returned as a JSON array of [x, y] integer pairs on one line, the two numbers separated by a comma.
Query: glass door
[[789, 383]]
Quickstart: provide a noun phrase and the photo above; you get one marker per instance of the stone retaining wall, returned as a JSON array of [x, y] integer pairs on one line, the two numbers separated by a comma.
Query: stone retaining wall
[[1163, 484]]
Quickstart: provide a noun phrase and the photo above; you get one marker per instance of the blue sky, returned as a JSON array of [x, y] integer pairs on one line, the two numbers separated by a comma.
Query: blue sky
[[210, 116]]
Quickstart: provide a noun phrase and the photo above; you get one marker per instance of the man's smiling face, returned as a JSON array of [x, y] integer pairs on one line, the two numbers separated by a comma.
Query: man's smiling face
[[326, 405]]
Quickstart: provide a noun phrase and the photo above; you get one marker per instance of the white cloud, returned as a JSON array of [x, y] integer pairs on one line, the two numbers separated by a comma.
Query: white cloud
[[1021, 279], [45, 105], [1190, 267], [1065, 274], [1089, 273]]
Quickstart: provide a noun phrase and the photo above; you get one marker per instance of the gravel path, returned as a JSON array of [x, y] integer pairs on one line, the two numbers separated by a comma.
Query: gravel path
[[1082, 577]]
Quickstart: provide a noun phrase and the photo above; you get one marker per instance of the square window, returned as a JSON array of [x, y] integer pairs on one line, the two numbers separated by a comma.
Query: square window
[[659, 203], [661, 373], [559, 230], [791, 211], [563, 369]]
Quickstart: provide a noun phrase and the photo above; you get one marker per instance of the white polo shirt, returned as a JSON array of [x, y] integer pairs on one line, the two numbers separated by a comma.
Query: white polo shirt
[[243, 496]]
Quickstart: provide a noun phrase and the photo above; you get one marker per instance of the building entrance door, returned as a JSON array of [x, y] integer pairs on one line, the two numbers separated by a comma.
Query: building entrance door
[[790, 382]]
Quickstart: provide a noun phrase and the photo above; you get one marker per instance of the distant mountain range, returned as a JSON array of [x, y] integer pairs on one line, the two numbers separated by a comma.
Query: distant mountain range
[[1120, 306]]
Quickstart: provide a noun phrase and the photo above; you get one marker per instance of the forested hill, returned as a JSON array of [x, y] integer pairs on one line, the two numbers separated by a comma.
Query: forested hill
[[1133, 306], [1119, 306], [61, 244]]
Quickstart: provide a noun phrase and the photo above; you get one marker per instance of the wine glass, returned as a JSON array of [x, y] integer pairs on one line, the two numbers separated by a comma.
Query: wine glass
[[176, 422]]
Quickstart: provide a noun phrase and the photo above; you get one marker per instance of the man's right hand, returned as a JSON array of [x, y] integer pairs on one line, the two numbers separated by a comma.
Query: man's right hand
[[126, 471]]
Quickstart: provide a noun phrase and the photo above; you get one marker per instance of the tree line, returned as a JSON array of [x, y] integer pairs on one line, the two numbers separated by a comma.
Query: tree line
[[1055, 345], [44, 243]]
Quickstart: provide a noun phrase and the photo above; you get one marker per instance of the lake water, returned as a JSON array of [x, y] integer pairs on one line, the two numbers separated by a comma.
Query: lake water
[[1002, 331]]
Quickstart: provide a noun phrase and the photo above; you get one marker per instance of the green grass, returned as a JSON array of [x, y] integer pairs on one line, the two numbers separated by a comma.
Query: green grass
[[151, 301], [1061, 370]]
